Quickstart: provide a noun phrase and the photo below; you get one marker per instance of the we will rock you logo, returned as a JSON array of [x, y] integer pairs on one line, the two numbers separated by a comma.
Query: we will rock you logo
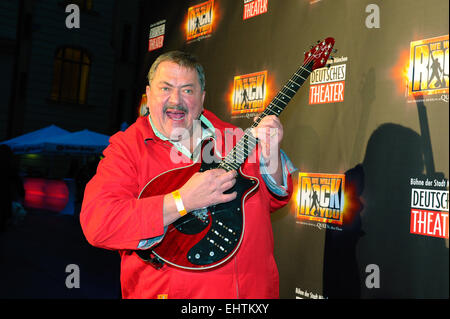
[[321, 197], [249, 93], [429, 67], [199, 21]]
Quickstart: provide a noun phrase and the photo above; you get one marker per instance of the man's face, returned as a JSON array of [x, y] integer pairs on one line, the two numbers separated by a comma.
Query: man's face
[[175, 100]]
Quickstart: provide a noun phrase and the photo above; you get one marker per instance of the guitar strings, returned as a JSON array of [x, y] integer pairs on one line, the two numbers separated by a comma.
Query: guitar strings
[[248, 140]]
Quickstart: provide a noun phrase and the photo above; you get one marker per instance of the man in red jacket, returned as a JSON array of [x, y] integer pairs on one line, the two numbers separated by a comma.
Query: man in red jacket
[[114, 216]]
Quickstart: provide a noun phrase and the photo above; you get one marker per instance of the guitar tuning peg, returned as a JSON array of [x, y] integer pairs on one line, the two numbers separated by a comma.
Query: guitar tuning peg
[[328, 65]]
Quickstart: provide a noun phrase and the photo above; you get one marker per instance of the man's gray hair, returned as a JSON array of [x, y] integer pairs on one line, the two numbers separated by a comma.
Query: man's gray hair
[[183, 59]]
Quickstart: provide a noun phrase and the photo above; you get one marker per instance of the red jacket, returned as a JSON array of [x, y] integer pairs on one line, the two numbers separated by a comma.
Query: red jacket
[[113, 217]]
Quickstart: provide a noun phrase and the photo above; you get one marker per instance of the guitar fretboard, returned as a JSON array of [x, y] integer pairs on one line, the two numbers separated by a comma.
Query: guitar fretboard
[[236, 157]]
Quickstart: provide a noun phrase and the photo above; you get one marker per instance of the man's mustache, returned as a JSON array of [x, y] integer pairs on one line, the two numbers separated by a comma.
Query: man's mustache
[[176, 108]]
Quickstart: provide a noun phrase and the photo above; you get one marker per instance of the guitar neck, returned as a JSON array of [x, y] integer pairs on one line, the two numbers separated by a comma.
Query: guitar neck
[[247, 143]]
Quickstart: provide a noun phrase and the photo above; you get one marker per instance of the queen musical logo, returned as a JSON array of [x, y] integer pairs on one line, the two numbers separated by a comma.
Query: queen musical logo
[[428, 66], [200, 20], [321, 197], [249, 93]]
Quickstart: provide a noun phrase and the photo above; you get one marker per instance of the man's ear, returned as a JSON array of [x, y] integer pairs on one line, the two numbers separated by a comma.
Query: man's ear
[[147, 91], [203, 100]]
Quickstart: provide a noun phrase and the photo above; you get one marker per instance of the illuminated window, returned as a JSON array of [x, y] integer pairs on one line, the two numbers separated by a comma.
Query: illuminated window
[[70, 75]]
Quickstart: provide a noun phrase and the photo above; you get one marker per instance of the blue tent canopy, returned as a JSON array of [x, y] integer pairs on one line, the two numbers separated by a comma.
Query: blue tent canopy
[[55, 140], [84, 142], [39, 135]]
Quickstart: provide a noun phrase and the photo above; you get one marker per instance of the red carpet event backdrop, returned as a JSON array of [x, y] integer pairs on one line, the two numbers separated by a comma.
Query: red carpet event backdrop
[[369, 133]]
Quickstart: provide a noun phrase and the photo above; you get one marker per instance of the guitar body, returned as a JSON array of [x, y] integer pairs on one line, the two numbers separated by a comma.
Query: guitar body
[[203, 238]]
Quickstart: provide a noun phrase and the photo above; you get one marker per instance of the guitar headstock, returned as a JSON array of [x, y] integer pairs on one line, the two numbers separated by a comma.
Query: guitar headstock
[[320, 53]]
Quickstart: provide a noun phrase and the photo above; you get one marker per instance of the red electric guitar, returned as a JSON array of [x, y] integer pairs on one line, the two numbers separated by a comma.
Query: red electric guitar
[[209, 237]]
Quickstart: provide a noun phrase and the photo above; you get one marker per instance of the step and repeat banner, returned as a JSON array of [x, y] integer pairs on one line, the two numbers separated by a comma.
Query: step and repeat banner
[[368, 133]]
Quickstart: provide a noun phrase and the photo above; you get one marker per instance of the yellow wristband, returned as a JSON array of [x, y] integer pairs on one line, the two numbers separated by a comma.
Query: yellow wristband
[[180, 207]]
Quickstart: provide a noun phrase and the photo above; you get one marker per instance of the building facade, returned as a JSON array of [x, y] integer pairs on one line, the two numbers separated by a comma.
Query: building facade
[[72, 66]]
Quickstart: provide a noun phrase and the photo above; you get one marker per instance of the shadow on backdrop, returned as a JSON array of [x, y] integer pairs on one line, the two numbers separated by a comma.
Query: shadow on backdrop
[[411, 266], [340, 268]]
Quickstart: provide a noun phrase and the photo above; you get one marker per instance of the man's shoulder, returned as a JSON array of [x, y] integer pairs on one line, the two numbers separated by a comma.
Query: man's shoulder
[[217, 122], [140, 130]]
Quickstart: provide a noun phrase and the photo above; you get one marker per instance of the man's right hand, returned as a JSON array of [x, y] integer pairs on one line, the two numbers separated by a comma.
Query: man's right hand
[[207, 188]]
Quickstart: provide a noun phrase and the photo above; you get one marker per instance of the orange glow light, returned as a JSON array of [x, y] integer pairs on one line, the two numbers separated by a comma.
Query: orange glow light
[[352, 202], [400, 73], [143, 109]]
